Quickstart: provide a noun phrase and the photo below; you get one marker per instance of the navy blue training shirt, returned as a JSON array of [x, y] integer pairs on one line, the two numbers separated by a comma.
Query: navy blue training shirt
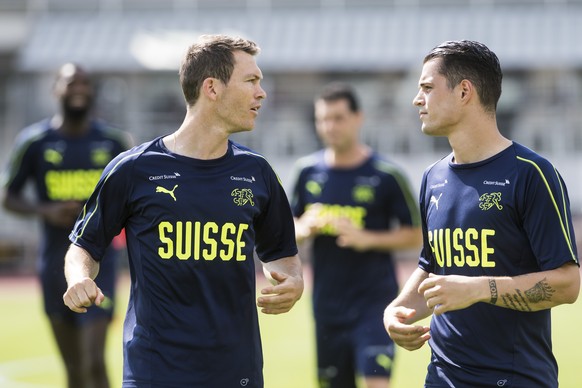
[[62, 168], [374, 195], [505, 216], [191, 229]]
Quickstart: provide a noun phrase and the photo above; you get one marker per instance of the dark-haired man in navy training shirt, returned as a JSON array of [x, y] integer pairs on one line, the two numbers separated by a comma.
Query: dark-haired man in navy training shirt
[[357, 208], [499, 247]]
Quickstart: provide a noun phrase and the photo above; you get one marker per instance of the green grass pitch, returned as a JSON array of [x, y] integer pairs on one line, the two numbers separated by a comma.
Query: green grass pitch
[[28, 357]]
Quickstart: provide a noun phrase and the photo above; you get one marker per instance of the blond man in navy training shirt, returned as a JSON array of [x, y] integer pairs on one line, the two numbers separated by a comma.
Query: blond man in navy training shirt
[[196, 207]]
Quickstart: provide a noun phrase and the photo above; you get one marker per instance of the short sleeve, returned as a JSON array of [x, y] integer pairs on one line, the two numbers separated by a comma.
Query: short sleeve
[[546, 215], [426, 261], [20, 164], [275, 229], [106, 211]]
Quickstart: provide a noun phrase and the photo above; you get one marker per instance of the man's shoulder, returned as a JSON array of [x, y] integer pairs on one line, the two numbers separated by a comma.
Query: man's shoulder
[[242, 150], [34, 132], [109, 131], [383, 164], [442, 163], [526, 154], [138, 152], [242, 155], [31, 137], [310, 161]]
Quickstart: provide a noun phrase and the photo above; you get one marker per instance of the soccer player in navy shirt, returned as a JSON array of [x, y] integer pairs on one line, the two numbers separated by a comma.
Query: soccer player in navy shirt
[[195, 207], [356, 208], [499, 247], [64, 157]]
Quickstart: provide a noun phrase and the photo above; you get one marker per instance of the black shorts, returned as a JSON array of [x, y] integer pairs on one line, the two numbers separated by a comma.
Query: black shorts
[[360, 349], [54, 285]]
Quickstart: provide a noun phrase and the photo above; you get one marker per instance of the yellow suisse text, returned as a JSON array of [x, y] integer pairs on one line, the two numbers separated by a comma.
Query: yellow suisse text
[[67, 185], [462, 247], [196, 240]]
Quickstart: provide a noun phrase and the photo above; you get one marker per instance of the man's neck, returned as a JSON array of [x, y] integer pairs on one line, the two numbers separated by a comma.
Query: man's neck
[[72, 126], [198, 142], [348, 158], [475, 147]]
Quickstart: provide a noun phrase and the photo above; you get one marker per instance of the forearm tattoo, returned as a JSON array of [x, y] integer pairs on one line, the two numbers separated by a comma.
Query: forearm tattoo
[[540, 292], [493, 289], [516, 301]]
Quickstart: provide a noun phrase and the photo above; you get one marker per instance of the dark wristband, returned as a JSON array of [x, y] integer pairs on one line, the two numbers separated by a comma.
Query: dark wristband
[[493, 289]]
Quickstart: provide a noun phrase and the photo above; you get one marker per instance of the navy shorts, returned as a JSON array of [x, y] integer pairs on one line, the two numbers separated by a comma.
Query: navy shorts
[[346, 351], [54, 285]]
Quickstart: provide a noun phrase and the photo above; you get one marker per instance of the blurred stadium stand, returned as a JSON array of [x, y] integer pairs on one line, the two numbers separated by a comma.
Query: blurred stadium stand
[[134, 47]]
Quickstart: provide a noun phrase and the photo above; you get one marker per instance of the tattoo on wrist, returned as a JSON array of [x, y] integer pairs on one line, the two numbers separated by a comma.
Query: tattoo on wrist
[[521, 301], [493, 289]]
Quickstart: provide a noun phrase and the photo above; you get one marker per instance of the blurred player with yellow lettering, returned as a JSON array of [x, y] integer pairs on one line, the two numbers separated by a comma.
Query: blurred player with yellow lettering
[[63, 158], [357, 207]]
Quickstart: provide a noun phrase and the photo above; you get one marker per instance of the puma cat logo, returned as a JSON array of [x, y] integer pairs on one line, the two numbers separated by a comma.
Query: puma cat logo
[[436, 200], [161, 189]]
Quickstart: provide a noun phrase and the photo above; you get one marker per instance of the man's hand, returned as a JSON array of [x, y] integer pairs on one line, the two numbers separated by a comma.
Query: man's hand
[[310, 223], [61, 214], [351, 236], [280, 298], [452, 292], [410, 337], [83, 294]]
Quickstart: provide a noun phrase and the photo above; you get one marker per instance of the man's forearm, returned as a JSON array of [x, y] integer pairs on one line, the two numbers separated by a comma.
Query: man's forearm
[[288, 265], [19, 205], [535, 291], [79, 265], [410, 298], [396, 239]]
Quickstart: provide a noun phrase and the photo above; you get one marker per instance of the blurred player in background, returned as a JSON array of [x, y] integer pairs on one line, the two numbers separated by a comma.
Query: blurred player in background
[[499, 247], [63, 157], [194, 205], [358, 208]]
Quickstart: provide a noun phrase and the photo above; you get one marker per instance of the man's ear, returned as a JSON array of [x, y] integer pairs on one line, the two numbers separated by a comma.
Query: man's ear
[[466, 89], [211, 88]]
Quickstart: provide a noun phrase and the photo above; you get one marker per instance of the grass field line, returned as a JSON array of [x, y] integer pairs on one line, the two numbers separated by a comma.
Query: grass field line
[[11, 371]]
